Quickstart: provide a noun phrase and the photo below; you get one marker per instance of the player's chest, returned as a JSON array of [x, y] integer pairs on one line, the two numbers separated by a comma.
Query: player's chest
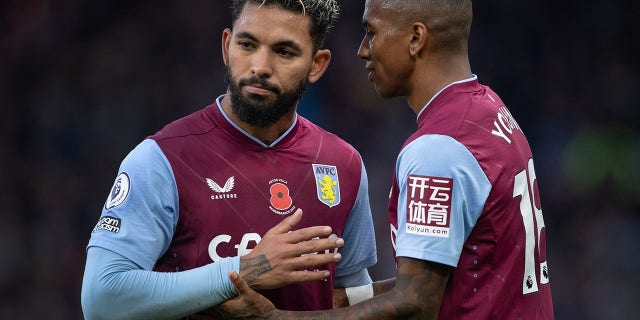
[[231, 206], [261, 181]]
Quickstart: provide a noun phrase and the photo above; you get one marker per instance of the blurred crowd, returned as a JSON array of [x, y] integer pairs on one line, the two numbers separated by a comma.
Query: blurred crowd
[[83, 82]]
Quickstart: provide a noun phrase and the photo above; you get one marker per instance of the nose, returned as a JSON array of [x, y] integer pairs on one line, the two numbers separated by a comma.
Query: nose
[[261, 64], [364, 50]]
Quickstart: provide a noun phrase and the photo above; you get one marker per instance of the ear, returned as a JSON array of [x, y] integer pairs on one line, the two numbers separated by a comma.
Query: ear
[[320, 64], [419, 35], [226, 41]]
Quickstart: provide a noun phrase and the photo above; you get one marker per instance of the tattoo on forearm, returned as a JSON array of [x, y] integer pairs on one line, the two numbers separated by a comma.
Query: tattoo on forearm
[[254, 267], [382, 286], [417, 295]]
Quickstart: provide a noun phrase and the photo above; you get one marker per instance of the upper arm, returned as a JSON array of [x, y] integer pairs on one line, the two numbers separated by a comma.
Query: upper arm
[[443, 190], [141, 213]]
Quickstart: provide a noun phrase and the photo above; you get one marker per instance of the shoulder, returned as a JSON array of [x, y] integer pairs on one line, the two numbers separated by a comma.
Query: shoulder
[[435, 153], [194, 124], [324, 137], [328, 149]]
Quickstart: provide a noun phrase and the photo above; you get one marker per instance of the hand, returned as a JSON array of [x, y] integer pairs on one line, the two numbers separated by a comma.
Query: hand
[[247, 305], [278, 260]]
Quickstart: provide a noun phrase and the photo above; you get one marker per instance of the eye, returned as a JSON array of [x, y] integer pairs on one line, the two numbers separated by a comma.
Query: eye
[[367, 31], [245, 45], [285, 53], [369, 35]]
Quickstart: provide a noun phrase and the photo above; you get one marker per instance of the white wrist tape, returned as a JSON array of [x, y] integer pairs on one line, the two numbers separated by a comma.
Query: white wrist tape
[[359, 294]]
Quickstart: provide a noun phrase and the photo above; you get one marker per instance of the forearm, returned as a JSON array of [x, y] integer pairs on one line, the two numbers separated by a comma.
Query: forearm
[[382, 286], [342, 298], [389, 305], [417, 294], [115, 288]]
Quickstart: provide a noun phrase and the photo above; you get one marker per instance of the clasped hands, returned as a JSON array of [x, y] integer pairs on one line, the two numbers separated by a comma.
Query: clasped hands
[[283, 257]]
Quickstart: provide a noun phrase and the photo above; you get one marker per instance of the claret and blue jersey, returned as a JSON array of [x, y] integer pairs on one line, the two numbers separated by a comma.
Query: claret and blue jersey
[[465, 195], [202, 190]]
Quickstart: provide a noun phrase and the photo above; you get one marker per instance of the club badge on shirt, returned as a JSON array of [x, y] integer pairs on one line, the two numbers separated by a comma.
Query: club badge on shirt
[[429, 205], [327, 184]]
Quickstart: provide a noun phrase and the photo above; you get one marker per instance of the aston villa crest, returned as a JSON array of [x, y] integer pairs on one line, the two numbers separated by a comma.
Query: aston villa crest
[[327, 184]]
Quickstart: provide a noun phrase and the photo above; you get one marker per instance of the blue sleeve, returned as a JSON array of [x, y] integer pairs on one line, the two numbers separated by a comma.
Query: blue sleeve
[[424, 169], [141, 212], [114, 287], [359, 278], [135, 228], [359, 250]]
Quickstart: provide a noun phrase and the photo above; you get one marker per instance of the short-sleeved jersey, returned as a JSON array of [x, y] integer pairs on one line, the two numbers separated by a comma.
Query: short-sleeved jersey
[[217, 191], [465, 194]]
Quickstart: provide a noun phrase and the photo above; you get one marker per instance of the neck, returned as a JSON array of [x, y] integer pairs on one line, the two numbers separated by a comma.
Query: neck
[[268, 134], [434, 74]]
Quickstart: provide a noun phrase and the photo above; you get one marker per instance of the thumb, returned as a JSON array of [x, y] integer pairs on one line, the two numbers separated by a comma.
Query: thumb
[[287, 224], [241, 286]]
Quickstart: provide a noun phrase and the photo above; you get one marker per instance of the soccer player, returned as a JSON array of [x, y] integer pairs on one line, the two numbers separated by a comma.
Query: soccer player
[[465, 214], [191, 202]]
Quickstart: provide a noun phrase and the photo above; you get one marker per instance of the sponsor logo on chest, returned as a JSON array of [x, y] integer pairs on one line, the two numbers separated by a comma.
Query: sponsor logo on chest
[[223, 192]]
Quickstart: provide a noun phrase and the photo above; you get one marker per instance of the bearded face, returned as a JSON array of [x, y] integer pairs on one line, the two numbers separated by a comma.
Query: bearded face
[[259, 110]]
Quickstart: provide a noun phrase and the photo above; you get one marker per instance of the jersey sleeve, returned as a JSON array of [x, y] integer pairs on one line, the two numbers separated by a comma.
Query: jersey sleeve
[[359, 250], [114, 287], [141, 212], [442, 192]]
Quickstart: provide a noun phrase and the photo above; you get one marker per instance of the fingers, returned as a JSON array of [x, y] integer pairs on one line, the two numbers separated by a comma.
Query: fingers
[[317, 245], [241, 286], [308, 233], [249, 304], [309, 261], [287, 224], [305, 276]]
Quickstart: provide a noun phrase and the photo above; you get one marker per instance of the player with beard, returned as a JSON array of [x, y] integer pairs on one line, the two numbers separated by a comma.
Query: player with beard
[[464, 210], [222, 189]]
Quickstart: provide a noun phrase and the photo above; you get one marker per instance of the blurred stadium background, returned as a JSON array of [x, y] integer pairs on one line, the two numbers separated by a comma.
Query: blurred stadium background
[[82, 82]]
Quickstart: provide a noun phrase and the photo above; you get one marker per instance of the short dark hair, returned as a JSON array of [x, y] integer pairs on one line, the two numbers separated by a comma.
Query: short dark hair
[[322, 14], [449, 21]]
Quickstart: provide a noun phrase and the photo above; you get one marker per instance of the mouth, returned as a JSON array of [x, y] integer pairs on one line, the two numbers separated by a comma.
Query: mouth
[[371, 75], [257, 87], [371, 70], [258, 90]]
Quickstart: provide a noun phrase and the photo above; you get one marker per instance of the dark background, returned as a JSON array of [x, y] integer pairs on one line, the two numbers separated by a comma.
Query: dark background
[[83, 82]]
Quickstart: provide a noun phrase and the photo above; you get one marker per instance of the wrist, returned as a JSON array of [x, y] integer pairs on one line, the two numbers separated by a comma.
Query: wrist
[[359, 294]]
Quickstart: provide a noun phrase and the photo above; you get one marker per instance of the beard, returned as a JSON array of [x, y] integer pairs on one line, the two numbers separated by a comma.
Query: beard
[[253, 109]]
